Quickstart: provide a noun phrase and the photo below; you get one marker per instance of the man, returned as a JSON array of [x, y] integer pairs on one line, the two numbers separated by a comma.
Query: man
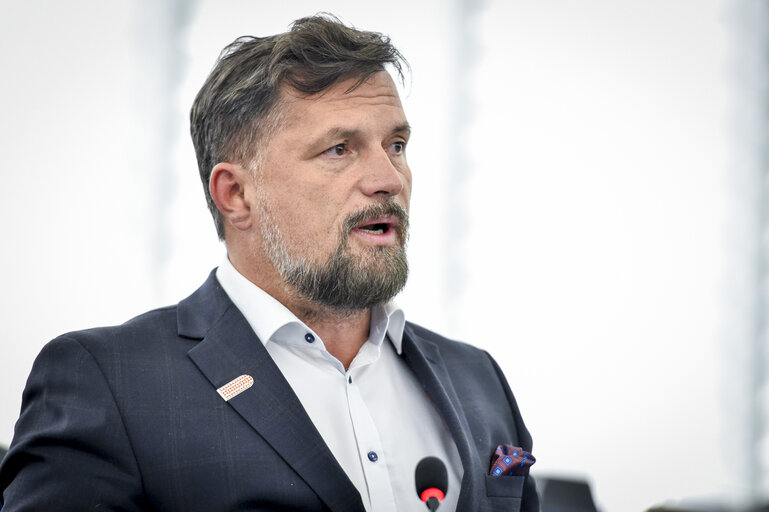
[[288, 381]]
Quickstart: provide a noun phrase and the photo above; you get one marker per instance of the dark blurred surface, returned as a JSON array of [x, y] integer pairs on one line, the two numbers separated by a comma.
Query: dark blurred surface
[[708, 507], [565, 495]]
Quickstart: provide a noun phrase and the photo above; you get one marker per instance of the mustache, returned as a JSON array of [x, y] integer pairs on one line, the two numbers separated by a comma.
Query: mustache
[[375, 211]]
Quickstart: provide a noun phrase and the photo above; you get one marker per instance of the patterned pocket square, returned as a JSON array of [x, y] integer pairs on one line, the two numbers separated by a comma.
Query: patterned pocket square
[[511, 460]]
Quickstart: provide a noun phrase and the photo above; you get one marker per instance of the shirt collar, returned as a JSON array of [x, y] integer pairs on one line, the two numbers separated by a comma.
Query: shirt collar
[[266, 315]]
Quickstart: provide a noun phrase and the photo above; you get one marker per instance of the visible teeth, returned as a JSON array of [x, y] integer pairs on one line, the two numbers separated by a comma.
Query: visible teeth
[[373, 231]]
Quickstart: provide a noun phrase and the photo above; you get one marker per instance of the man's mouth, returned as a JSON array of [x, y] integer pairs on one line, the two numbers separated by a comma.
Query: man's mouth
[[383, 224], [382, 230], [375, 228]]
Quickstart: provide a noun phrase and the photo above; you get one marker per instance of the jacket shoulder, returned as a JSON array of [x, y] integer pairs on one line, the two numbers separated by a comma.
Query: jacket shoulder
[[152, 325], [189, 319], [447, 346]]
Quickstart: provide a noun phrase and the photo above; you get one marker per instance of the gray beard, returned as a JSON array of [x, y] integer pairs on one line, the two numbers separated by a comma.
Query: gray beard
[[346, 283]]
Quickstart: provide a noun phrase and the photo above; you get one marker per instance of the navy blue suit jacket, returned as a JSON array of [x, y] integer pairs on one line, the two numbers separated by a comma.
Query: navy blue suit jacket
[[128, 418]]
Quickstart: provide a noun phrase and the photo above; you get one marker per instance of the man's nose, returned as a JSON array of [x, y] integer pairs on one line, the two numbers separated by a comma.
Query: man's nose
[[380, 176]]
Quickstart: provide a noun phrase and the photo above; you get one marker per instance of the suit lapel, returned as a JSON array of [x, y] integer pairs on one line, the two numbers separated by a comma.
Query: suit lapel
[[229, 349], [424, 358]]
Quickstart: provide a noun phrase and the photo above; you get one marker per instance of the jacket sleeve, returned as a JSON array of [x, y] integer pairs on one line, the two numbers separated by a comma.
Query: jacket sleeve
[[70, 450], [530, 499]]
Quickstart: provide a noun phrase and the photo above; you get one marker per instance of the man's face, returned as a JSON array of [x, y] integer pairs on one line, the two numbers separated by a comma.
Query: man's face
[[333, 189]]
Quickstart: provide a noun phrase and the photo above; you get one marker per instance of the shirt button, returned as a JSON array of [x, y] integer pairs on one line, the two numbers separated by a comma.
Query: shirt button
[[309, 338], [372, 456], [349, 380]]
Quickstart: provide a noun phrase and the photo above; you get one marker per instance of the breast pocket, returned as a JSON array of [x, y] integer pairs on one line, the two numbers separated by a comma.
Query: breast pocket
[[505, 492]]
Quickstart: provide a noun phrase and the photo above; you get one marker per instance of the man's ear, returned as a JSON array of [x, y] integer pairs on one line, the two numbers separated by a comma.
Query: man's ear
[[227, 187]]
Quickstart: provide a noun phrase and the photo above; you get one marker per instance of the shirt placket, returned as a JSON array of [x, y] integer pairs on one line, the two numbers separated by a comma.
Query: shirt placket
[[372, 456]]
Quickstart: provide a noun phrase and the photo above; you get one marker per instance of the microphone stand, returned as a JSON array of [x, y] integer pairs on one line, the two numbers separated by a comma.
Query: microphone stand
[[432, 503]]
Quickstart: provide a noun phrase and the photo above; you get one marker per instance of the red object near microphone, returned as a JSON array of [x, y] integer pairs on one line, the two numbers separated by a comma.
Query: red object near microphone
[[432, 481]]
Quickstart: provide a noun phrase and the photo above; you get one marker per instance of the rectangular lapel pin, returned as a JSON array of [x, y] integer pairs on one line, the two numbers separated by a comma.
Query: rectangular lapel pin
[[235, 387]]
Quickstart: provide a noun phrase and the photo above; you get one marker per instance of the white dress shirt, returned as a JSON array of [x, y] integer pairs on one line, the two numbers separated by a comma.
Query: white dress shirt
[[375, 417]]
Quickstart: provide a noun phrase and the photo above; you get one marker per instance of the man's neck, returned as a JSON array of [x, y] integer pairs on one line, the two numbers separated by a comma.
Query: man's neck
[[343, 333]]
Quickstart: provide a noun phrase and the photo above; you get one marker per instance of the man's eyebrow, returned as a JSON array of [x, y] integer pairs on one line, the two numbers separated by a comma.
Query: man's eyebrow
[[341, 133], [403, 128]]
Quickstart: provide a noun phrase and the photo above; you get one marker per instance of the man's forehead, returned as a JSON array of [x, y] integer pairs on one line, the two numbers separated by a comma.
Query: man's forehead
[[378, 88]]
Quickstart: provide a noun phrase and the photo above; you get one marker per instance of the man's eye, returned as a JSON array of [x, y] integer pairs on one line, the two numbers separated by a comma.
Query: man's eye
[[398, 147], [338, 150]]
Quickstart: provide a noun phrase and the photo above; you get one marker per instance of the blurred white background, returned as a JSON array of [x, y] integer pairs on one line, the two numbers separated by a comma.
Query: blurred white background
[[588, 206]]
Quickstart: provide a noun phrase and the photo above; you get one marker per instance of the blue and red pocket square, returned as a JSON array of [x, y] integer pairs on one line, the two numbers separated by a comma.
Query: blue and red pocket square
[[511, 460]]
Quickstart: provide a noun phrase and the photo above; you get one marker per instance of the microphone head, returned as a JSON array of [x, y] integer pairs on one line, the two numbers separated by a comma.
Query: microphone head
[[431, 476]]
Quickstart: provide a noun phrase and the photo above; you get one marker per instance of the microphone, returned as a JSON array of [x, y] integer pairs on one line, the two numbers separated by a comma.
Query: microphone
[[432, 481]]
